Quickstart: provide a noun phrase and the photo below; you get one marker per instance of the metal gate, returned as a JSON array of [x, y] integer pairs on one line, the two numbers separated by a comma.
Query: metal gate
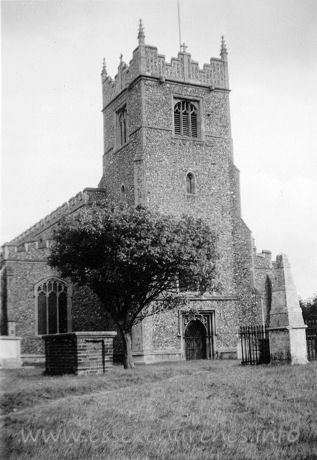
[[255, 346]]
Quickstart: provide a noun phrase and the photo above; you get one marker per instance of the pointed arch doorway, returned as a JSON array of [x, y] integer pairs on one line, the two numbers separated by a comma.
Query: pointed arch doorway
[[198, 336]]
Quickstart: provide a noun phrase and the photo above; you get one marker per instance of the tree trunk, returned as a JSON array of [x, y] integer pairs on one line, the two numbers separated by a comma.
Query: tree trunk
[[127, 345]]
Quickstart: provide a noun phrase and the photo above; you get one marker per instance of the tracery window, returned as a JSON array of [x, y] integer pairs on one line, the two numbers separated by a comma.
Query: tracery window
[[122, 126], [190, 183], [185, 119], [52, 299]]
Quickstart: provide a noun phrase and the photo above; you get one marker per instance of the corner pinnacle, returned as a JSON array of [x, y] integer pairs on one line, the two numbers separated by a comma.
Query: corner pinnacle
[[104, 68], [141, 36], [223, 49]]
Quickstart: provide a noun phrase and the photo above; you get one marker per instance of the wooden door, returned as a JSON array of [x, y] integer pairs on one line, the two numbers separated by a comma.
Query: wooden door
[[195, 340]]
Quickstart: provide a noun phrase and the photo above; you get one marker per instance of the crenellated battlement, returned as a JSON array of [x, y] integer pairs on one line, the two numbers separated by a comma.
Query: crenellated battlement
[[12, 251], [88, 195], [147, 61]]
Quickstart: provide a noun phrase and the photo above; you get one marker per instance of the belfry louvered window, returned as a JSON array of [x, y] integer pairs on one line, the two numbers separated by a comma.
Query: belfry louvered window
[[185, 119], [52, 306]]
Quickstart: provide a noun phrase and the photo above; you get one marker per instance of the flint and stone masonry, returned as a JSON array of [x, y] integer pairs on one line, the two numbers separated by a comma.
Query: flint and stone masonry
[[151, 153]]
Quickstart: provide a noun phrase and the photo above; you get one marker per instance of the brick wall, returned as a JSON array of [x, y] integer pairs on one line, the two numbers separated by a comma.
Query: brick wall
[[78, 353]]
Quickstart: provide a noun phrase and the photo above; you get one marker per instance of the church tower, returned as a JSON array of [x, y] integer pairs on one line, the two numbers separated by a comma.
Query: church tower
[[168, 146]]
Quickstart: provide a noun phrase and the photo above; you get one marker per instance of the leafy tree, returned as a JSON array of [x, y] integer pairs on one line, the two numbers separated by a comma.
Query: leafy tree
[[131, 258], [309, 308]]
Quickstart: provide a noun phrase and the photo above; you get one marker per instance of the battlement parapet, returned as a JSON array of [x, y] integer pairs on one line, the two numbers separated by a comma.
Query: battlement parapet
[[26, 250], [88, 195], [263, 259], [147, 62]]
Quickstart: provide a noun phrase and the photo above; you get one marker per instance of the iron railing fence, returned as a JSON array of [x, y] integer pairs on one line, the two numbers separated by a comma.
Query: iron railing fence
[[255, 347], [311, 339]]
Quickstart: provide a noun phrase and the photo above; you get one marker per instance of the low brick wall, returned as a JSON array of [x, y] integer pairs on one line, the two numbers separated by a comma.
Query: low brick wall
[[78, 352]]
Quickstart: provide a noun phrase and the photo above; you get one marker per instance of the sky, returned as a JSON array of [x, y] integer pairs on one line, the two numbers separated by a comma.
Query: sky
[[51, 119]]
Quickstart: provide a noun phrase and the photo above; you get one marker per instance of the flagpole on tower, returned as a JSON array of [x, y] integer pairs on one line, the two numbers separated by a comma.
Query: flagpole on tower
[[179, 25]]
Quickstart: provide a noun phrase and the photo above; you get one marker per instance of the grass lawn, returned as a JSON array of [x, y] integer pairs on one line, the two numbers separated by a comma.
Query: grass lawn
[[184, 410]]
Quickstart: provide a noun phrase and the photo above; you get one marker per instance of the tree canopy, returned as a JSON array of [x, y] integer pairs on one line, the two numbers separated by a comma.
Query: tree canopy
[[309, 308], [131, 258]]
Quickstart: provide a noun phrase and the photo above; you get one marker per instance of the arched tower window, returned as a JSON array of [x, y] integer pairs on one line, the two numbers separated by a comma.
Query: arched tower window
[[190, 183], [185, 119], [122, 126], [53, 307]]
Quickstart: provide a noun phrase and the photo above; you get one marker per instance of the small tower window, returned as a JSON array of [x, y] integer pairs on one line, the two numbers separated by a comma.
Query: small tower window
[[185, 119], [122, 126], [190, 183]]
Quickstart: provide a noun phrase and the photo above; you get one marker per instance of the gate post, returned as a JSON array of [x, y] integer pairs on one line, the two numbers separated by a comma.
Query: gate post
[[287, 329]]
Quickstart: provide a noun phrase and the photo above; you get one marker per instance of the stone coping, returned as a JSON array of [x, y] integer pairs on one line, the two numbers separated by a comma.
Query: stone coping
[[9, 337], [83, 334]]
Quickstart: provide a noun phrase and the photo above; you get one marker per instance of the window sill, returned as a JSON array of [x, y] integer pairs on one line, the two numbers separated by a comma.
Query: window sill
[[51, 333], [187, 138]]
